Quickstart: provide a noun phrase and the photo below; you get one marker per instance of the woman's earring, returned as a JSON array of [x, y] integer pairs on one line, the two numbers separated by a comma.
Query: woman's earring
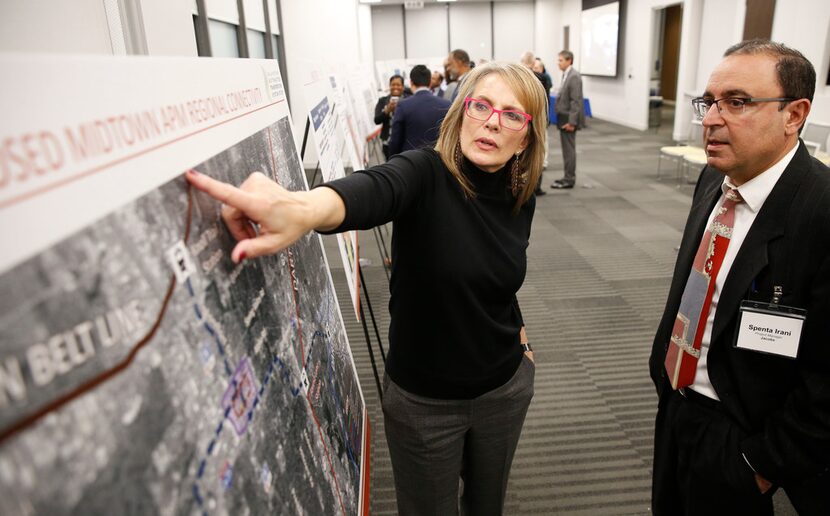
[[459, 157], [518, 177]]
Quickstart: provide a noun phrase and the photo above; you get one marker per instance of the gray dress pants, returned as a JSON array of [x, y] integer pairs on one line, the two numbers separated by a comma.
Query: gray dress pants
[[434, 442], [568, 140]]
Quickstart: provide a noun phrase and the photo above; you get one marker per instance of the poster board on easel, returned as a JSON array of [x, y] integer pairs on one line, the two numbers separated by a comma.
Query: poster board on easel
[[142, 370]]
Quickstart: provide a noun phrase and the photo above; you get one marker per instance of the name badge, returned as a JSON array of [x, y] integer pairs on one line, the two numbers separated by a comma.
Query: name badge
[[770, 328]]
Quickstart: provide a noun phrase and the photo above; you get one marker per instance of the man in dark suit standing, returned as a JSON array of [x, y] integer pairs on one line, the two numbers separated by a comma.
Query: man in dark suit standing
[[570, 116], [741, 358], [417, 119]]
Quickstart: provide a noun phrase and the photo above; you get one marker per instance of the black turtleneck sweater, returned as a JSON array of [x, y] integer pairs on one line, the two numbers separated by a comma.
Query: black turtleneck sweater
[[457, 264]]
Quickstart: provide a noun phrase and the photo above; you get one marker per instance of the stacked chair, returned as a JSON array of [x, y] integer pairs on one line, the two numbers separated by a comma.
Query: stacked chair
[[816, 136], [684, 154]]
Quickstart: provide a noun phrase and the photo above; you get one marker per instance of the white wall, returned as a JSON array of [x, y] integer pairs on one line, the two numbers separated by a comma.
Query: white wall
[[722, 31], [709, 28], [364, 32], [470, 26], [548, 33], [335, 31], [805, 25], [168, 27], [624, 99], [470, 29], [387, 32], [513, 30], [426, 31], [55, 26]]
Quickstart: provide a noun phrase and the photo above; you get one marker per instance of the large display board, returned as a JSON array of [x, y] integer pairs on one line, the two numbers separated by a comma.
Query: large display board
[[327, 118], [141, 371]]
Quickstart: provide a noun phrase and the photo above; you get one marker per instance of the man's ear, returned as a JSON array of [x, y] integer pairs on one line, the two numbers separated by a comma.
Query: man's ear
[[796, 115]]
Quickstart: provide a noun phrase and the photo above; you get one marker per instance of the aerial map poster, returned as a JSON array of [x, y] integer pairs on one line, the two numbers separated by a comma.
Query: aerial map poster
[[141, 371]]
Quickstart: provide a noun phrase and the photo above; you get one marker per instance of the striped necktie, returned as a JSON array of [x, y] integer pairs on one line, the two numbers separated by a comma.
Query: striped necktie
[[684, 347]]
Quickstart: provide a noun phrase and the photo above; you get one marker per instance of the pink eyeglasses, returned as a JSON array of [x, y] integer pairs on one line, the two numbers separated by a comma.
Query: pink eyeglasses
[[511, 119]]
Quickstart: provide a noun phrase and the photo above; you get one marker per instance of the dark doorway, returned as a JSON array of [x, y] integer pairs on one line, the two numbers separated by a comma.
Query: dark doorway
[[671, 52], [665, 51], [758, 19]]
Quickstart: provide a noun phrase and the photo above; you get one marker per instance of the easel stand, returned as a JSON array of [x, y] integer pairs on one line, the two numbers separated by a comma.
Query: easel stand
[[385, 257], [365, 292], [313, 180]]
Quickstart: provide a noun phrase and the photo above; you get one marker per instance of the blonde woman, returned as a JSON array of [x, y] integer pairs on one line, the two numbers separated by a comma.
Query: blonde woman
[[459, 372]]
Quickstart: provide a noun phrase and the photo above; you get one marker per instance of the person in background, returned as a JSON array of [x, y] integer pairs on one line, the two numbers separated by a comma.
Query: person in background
[[385, 108], [741, 360], [570, 117], [460, 65], [527, 60], [459, 372], [417, 119], [435, 84], [449, 79], [539, 68]]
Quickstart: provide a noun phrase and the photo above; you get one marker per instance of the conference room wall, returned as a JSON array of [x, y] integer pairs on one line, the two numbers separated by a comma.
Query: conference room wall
[[468, 23], [470, 29], [805, 25], [78, 27], [426, 31], [709, 27], [387, 32], [513, 30]]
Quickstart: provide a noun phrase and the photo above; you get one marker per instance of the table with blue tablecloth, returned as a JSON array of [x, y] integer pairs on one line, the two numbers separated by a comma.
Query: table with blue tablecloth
[[552, 113]]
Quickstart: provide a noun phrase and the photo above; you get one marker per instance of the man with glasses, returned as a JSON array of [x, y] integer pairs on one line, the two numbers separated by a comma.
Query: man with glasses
[[570, 117], [741, 358]]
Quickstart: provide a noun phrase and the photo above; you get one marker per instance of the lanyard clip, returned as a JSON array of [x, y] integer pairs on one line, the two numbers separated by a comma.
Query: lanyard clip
[[777, 292]]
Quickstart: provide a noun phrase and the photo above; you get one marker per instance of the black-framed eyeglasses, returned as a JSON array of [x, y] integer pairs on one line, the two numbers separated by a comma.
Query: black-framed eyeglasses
[[481, 110], [731, 105]]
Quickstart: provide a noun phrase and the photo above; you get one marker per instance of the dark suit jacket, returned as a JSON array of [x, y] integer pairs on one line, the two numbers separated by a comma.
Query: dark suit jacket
[[570, 105], [781, 405], [417, 121]]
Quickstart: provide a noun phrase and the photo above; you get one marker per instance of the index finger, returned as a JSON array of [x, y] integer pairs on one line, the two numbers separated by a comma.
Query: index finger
[[227, 194]]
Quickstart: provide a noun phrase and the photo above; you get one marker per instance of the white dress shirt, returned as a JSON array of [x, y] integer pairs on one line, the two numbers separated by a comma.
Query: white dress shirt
[[754, 192]]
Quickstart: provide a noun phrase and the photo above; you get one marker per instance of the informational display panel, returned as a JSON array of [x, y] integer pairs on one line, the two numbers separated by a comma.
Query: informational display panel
[[347, 120], [364, 97], [386, 69], [141, 371], [330, 139]]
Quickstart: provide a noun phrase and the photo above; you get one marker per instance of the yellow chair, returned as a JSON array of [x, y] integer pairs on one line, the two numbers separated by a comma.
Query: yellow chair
[[677, 153], [695, 159], [813, 149]]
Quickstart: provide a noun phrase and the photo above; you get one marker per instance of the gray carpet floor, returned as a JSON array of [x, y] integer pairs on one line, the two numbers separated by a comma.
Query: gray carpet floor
[[599, 266]]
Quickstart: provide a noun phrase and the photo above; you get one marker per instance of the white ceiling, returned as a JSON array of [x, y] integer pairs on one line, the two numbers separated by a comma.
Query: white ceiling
[[398, 2]]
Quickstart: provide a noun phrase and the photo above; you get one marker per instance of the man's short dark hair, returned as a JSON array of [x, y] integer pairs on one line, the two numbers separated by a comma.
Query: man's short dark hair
[[396, 76], [796, 74], [568, 55], [420, 76], [461, 55]]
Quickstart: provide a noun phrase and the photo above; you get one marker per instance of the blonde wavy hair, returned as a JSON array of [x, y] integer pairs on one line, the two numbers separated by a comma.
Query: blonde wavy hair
[[529, 91]]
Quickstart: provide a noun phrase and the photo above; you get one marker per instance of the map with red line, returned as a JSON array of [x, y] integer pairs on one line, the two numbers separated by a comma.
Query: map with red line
[[245, 399]]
